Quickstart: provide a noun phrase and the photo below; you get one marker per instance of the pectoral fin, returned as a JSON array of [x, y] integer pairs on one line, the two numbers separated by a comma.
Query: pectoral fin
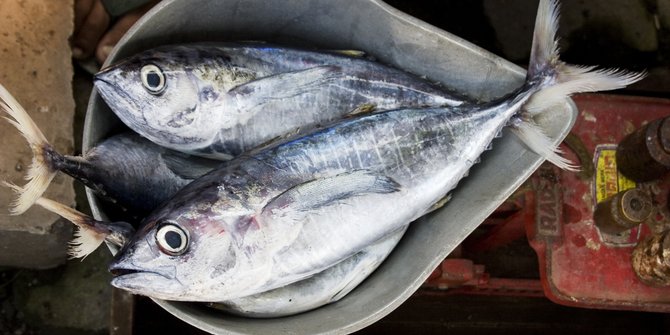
[[288, 84], [323, 192]]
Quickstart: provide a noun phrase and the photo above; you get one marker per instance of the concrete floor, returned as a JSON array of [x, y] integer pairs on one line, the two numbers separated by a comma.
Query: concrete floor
[[75, 298]]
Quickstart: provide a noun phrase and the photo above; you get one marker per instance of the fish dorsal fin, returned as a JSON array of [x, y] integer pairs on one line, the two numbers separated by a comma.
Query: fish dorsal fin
[[187, 166], [261, 42], [351, 53], [290, 135]]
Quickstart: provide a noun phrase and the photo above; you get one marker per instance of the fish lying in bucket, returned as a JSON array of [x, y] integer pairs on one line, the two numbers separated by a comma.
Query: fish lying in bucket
[[220, 100], [126, 169], [323, 288], [285, 212]]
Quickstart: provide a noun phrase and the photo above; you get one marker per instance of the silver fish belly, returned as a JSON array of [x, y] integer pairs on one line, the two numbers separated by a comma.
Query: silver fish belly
[[323, 288], [219, 100]]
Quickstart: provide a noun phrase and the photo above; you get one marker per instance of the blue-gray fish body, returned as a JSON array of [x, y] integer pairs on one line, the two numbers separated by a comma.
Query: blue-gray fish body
[[278, 216], [133, 172], [130, 171], [282, 213], [219, 100]]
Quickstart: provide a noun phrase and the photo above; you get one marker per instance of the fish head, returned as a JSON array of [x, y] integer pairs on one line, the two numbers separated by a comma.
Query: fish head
[[171, 96], [172, 260], [185, 251]]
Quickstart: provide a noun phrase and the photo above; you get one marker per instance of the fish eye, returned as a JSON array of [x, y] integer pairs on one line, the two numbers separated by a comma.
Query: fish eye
[[153, 78], [172, 239]]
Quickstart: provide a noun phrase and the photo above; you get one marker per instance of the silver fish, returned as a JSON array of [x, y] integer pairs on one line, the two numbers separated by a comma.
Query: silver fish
[[285, 212], [321, 289], [126, 168], [219, 100]]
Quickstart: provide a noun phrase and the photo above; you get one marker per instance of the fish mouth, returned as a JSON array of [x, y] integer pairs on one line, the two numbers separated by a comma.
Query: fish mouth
[[99, 78], [116, 98], [155, 284], [121, 104], [119, 271], [108, 89]]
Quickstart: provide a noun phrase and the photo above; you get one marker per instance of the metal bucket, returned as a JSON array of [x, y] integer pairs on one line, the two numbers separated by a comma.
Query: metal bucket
[[394, 38]]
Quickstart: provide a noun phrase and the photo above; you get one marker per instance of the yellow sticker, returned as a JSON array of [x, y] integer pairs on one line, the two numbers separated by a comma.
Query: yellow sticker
[[608, 181]]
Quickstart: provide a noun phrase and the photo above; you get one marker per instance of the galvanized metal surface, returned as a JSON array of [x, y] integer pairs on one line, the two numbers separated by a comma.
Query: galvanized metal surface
[[393, 38]]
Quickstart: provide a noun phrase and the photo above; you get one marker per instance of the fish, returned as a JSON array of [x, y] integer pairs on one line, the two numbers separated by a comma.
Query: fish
[[326, 287], [282, 213], [135, 173], [124, 169], [323, 288], [219, 100]]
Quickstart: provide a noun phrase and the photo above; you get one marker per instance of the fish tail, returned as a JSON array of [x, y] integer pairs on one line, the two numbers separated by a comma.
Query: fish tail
[[556, 81], [88, 235], [41, 171]]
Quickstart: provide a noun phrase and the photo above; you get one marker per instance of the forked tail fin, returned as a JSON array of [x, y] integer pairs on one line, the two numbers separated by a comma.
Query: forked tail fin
[[40, 173], [556, 81], [89, 233]]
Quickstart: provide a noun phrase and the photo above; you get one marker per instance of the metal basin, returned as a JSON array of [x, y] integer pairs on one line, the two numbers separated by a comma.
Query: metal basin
[[393, 38]]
